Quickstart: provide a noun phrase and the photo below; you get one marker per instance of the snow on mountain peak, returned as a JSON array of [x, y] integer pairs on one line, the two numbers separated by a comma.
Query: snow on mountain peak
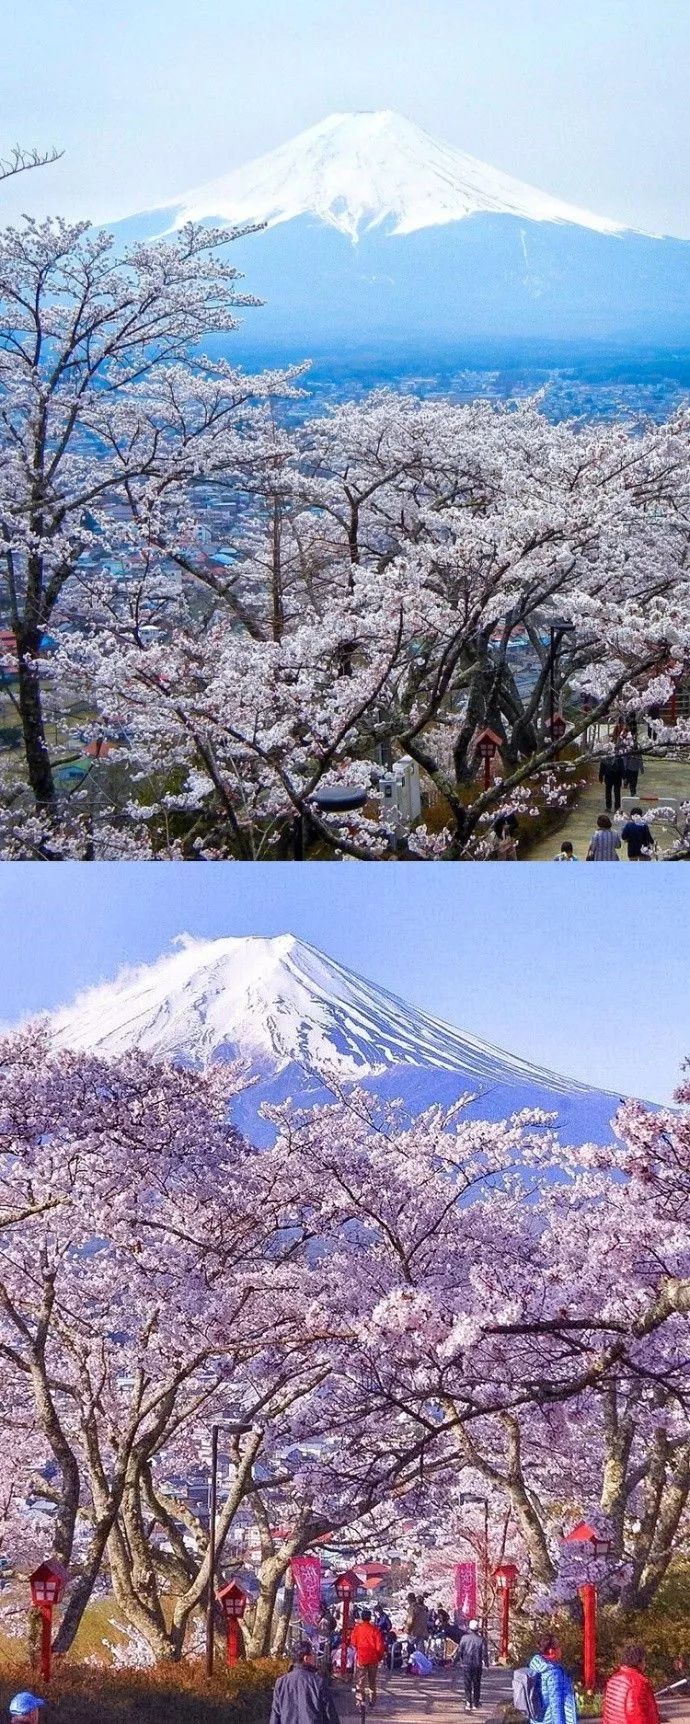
[[359, 171], [276, 1003]]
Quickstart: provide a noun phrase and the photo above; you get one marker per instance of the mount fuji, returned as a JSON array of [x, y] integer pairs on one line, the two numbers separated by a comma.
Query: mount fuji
[[377, 232], [305, 1027]]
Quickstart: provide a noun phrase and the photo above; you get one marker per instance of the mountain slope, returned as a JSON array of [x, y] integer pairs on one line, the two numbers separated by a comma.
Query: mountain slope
[[356, 171], [377, 233], [303, 1023]]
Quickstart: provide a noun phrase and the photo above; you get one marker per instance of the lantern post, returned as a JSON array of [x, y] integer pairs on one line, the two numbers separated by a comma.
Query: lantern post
[[488, 744], [557, 632], [47, 1586], [232, 1601], [210, 1594], [505, 1577], [346, 1588], [599, 1547]]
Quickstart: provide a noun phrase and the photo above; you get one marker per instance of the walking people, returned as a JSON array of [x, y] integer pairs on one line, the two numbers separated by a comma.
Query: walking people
[[370, 1651], [303, 1696], [637, 836], [604, 844], [566, 852], [611, 772], [629, 1697], [557, 1692], [633, 763], [470, 1655]]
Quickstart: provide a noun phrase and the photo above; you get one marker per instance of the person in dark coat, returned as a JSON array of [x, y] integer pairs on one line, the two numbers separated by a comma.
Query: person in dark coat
[[629, 1697], [637, 836], [634, 765], [471, 1656], [611, 773], [302, 1696]]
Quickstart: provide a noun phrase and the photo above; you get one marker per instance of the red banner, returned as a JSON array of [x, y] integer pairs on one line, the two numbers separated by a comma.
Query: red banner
[[306, 1572], [466, 1589]]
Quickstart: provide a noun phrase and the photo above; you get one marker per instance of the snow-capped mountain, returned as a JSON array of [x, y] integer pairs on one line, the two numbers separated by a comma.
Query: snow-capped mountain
[[357, 171], [303, 1024], [376, 232]]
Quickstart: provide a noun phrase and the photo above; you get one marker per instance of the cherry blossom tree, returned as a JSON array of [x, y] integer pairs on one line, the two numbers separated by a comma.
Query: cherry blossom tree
[[402, 575], [489, 1310], [137, 1304], [99, 398]]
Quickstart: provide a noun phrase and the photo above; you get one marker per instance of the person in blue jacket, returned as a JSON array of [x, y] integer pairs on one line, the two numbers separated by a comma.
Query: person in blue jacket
[[557, 1692]]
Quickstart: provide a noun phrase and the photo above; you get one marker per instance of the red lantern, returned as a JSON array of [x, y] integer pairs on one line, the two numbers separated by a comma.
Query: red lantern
[[505, 1577], [346, 1587], [599, 1546], [488, 744], [47, 1584], [233, 1603]]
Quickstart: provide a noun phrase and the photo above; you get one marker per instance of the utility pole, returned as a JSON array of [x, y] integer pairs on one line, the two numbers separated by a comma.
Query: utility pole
[[211, 1593]]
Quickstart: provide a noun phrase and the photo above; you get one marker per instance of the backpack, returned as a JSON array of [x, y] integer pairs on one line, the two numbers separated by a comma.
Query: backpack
[[535, 1698]]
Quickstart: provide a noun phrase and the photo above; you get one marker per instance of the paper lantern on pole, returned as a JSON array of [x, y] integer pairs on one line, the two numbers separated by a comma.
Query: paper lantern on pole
[[47, 1583], [232, 1601], [505, 1576], [346, 1588], [488, 744], [598, 1546]]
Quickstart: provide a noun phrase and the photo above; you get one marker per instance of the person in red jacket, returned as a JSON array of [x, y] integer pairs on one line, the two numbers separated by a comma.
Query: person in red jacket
[[369, 1649], [629, 1697]]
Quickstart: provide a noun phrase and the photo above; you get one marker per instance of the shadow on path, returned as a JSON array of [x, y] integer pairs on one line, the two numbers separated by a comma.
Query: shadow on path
[[408, 1699]]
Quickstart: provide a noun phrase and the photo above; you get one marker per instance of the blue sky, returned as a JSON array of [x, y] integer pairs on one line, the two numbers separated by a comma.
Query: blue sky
[[585, 98], [584, 970]]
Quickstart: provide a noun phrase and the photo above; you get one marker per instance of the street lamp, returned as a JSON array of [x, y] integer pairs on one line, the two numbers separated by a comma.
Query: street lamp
[[212, 1505], [505, 1577], [332, 799], [340, 798], [346, 1589], [210, 1595], [557, 630], [488, 744], [232, 1601], [47, 1586], [599, 1547]]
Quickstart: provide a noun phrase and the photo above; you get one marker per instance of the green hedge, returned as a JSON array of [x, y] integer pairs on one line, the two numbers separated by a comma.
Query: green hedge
[[165, 1694], [663, 1631]]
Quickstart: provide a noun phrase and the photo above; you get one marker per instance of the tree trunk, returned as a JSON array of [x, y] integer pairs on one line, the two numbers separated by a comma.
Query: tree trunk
[[271, 1573], [82, 1589], [31, 711], [283, 1624], [277, 603], [137, 1612]]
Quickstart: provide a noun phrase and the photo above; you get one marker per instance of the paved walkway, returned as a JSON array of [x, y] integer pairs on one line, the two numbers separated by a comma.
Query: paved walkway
[[440, 1698], [409, 1699], [663, 780]]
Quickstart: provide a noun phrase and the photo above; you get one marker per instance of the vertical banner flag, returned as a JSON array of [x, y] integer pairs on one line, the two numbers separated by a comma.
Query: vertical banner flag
[[466, 1589], [307, 1576]]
